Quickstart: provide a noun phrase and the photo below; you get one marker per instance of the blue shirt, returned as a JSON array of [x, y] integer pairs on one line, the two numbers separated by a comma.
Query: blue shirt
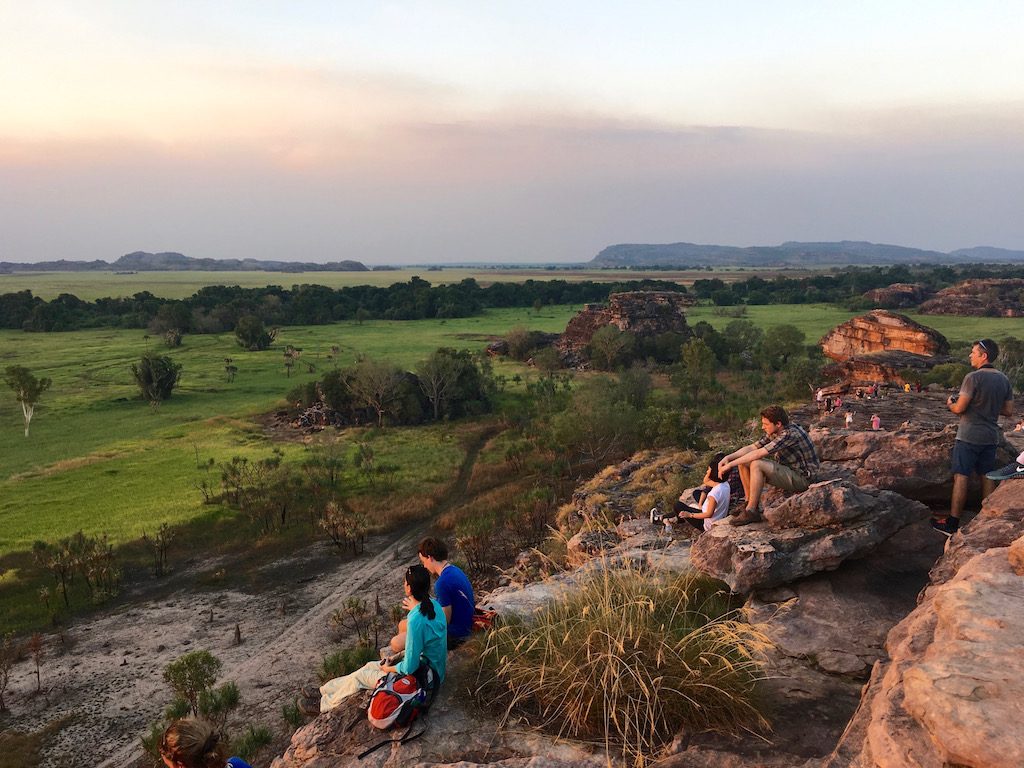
[[453, 589], [426, 637], [236, 762]]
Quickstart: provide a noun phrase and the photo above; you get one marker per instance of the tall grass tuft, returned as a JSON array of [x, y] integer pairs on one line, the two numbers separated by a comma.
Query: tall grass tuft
[[628, 661]]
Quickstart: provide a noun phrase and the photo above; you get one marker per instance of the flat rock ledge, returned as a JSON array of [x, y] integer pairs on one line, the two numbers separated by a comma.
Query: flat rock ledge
[[804, 534], [949, 692]]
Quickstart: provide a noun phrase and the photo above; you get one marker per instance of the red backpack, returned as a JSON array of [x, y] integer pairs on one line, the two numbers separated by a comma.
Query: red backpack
[[398, 700]]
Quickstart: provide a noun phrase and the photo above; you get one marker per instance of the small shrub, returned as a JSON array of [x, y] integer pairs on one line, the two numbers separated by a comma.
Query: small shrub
[[345, 661], [291, 715], [628, 660], [251, 741]]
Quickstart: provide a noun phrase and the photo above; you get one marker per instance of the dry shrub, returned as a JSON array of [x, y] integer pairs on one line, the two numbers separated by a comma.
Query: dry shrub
[[387, 512], [627, 661]]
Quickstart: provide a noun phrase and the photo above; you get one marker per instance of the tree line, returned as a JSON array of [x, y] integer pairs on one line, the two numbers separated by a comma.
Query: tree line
[[218, 308]]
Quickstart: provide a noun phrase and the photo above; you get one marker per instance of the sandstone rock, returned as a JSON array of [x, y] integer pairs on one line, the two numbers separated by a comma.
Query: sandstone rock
[[989, 297], [876, 346], [643, 313], [840, 521], [882, 331], [591, 543], [898, 295], [949, 692]]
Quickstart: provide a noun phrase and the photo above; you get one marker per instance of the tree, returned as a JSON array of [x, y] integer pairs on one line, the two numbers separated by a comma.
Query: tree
[[9, 653], [157, 376], [437, 376], [781, 342], [192, 676], [695, 373], [608, 346], [251, 334], [376, 385], [27, 389]]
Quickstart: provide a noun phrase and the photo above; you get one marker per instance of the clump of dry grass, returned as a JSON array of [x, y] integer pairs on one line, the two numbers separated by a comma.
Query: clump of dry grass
[[628, 661]]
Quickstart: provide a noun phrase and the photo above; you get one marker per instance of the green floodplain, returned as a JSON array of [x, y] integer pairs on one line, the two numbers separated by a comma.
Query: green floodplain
[[100, 460]]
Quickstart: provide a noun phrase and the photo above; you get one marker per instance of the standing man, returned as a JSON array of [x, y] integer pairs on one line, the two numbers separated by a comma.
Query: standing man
[[452, 589], [985, 395], [791, 466]]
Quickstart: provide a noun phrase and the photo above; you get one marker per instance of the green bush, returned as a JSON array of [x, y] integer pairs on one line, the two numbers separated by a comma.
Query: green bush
[[345, 661], [628, 660]]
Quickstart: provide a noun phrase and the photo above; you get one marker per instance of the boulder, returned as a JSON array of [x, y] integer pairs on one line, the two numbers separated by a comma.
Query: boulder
[[806, 533], [898, 295], [911, 460], [949, 691], [876, 346], [989, 297], [642, 313]]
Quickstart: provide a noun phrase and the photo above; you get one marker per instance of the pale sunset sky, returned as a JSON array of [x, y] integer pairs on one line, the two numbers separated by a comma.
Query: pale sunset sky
[[410, 132]]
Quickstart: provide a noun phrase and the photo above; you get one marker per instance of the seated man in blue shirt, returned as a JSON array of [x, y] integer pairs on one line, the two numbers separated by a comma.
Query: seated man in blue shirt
[[452, 590]]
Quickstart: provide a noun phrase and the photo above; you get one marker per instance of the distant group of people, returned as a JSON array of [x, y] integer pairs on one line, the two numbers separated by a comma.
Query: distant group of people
[[432, 627]]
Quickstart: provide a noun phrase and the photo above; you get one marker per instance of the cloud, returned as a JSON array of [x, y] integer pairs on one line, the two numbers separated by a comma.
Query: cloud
[[516, 186]]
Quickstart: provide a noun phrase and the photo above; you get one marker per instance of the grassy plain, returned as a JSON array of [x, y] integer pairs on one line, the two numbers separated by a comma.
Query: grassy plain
[[90, 286]]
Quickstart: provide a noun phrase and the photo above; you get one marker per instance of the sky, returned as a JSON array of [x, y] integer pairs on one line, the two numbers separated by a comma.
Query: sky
[[530, 132]]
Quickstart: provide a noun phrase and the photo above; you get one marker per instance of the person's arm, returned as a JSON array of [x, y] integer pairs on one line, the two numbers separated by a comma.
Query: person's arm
[[959, 405], [709, 509], [743, 456], [443, 592], [413, 645], [1007, 409]]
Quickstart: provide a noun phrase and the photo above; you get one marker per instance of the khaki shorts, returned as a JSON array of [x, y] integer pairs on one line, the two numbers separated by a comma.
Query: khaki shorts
[[783, 477]]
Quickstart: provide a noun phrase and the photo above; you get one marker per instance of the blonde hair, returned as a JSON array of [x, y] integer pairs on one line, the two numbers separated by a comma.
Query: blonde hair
[[193, 743]]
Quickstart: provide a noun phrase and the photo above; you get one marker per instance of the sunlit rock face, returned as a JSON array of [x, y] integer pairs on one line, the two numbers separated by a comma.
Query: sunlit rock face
[[991, 297]]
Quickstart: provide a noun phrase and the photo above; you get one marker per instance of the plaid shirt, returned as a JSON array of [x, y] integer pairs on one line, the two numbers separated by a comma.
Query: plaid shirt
[[793, 448]]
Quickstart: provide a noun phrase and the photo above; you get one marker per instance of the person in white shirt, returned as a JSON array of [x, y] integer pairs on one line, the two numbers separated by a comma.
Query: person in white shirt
[[713, 506]]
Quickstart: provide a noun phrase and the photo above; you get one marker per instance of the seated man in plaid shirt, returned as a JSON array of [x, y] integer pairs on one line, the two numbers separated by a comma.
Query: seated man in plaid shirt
[[784, 457]]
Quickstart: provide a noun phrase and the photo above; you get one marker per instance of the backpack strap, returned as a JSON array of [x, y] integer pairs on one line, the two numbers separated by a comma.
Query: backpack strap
[[405, 738]]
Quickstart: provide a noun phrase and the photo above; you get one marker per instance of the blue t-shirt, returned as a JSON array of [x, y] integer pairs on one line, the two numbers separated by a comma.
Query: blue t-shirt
[[453, 589], [237, 762]]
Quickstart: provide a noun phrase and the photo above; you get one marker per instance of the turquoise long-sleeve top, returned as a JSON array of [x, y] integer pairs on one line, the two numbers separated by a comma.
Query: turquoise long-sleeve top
[[427, 637]]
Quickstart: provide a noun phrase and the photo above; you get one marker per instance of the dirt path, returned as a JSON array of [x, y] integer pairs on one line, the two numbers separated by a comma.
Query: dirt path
[[108, 681]]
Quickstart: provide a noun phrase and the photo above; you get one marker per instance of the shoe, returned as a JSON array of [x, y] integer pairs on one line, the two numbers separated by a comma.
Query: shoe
[[746, 517], [948, 526], [309, 706], [1010, 471], [310, 692]]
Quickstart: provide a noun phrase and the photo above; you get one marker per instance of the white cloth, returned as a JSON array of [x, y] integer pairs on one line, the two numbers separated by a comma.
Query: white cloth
[[363, 679], [720, 493]]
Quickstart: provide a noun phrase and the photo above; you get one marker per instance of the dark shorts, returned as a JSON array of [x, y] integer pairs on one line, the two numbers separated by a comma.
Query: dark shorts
[[455, 642], [969, 458]]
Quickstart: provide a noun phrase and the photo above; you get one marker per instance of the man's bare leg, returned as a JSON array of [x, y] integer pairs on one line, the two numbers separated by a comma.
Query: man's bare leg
[[959, 500], [745, 479], [398, 641], [756, 484], [987, 486]]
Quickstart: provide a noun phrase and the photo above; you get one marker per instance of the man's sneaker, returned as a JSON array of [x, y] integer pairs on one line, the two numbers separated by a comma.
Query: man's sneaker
[[310, 691], [309, 706], [1010, 471], [948, 526]]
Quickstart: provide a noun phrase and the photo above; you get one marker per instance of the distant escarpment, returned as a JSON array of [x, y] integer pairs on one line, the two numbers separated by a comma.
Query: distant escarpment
[[140, 261], [898, 295], [993, 297], [789, 253]]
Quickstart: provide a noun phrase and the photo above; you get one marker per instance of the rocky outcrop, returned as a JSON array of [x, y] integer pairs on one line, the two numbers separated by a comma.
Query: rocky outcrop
[[950, 689], [876, 346], [806, 533], [882, 331], [898, 295], [642, 313], [992, 297]]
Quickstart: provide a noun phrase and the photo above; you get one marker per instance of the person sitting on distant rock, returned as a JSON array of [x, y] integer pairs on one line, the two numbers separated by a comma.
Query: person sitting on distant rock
[[425, 642], [876, 422], [453, 592], [714, 502], [194, 743], [792, 465], [849, 419]]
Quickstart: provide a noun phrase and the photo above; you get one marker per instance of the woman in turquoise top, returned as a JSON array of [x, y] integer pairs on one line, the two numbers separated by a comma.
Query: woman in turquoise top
[[426, 638]]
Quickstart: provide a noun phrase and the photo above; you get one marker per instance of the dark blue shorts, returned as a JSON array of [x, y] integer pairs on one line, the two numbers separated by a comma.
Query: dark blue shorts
[[969, 458]]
